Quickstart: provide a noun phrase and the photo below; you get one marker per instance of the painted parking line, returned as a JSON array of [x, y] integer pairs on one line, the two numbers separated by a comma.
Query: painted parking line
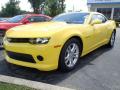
[[31, 84]]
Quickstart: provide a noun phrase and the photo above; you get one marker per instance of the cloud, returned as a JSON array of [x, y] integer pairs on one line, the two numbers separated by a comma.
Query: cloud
[[25, 5], [77, 5]]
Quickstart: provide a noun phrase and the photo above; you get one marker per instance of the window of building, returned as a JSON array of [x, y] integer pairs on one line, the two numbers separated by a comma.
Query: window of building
[[106, 11], [116, 16]]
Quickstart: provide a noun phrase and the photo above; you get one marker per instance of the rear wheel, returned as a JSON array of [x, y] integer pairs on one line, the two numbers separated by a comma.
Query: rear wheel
[[112, 39], [70, 55]]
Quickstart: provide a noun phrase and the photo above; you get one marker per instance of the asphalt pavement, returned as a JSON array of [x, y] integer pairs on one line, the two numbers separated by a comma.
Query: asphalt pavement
[[99, 70]]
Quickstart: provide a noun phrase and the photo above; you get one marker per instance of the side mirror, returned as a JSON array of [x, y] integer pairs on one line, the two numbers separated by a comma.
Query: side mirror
[[26, 21], [96, 21]]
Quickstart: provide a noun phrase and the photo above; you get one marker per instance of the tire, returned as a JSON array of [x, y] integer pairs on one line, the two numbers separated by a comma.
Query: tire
[[117, 24], [112, 40], [70, 55]]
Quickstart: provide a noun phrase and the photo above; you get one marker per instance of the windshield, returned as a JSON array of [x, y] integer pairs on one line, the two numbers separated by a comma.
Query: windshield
[[16, 19], [77, 18]]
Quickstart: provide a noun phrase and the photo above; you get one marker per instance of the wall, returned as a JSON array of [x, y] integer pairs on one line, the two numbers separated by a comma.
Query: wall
[[103, 1], [94, 6]]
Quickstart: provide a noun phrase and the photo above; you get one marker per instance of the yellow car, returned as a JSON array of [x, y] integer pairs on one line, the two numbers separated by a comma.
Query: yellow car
[[59, 43]]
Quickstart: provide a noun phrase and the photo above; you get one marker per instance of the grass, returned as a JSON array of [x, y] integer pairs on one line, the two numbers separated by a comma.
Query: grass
[[7, 86]]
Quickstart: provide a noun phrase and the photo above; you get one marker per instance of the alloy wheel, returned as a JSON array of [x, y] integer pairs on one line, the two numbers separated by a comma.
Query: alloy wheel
[[72, 55]]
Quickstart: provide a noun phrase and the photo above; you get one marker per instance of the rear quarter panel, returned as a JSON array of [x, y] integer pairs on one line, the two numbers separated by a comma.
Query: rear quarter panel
[[111, 27]]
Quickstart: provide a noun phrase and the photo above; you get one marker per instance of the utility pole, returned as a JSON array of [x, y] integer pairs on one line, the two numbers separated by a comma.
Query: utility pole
[[73, 8]]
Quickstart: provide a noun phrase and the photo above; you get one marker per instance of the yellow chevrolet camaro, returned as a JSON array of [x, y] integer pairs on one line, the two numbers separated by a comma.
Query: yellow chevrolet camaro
[[59, 43]]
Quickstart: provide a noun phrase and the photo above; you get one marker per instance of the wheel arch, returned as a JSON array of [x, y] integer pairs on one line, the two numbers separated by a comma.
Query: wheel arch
[[79, 39], [76, 37]]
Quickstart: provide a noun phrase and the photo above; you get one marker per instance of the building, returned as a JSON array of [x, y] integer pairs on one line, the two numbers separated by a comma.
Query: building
[[110, 8]]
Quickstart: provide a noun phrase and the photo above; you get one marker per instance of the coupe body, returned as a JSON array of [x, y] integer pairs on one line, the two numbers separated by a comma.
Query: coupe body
[[20, 20], [59, 43]]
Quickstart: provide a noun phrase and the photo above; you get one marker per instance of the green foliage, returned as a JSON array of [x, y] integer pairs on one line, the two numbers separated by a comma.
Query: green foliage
[[36, 5], [62, 5], [7, 86], [54, 7], [11, 9], [49, 7]]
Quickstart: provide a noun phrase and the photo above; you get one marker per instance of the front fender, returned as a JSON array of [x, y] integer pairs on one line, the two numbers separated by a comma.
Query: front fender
[[62, 37]]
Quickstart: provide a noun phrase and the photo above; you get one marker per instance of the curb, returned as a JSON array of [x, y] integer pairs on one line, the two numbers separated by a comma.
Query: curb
[[31, 84]]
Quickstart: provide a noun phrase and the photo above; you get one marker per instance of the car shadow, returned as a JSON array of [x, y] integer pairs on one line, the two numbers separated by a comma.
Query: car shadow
[[52, 77]]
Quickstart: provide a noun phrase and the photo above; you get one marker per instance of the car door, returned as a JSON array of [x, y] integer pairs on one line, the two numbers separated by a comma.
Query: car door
[[100, 30]]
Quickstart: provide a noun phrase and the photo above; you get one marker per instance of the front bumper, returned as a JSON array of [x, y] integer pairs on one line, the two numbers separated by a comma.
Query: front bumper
[[48, 52]]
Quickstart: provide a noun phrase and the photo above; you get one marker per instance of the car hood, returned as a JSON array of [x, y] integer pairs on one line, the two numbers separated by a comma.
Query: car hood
[[37, 29]]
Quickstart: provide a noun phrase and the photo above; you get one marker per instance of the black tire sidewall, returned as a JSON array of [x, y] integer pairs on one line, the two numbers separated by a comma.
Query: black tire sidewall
[[109, 44], [62, 66]]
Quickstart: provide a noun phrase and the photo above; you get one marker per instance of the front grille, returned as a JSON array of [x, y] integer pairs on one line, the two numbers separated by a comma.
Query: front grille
[[2, 32], [18, 40], [20, 56]]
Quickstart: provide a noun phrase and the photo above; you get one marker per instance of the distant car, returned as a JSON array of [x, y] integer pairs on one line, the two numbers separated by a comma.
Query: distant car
[[59, 43], [20, 20], [3, 19]]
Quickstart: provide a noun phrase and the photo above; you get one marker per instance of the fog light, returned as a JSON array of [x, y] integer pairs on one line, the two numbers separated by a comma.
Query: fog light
[[40, 58]]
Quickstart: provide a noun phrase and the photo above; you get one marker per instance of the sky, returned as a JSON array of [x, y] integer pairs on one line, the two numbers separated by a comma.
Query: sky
[[76, 5]]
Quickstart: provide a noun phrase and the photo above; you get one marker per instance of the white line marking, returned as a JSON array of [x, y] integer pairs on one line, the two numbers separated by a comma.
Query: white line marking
[[31, 84]]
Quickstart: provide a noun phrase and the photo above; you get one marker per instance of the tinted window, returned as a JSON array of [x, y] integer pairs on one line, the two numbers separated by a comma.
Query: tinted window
[[94, 17], [71, 17], [100, 17], [16, 19], [37, 19], [116, 15]]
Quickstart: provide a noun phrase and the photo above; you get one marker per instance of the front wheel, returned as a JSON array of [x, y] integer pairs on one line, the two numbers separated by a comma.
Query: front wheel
[[70, 55], [112, 39]]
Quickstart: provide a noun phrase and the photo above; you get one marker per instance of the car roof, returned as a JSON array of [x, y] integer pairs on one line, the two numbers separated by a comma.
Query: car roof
[[95, 13], [36, 15], [83, 12], [75, 12]]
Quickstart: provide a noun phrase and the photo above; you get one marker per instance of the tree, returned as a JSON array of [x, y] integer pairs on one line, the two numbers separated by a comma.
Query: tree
[[36, 5], [54, 7], [10, 9], [62, 5]]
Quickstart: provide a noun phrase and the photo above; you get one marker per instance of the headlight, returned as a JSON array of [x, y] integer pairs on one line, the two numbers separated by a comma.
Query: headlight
[[39, 40]]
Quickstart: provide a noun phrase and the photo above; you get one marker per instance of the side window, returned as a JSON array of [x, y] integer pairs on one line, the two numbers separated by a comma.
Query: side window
[[37, 19], [94, 17], [100, 17]]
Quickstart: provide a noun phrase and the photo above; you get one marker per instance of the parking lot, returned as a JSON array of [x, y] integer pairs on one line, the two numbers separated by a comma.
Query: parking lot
[[99, 70]]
